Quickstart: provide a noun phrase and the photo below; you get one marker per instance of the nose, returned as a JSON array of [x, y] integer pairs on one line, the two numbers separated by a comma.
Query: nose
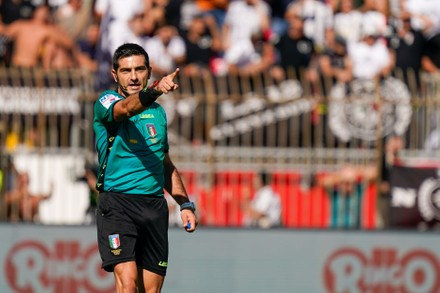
[[133, 75]]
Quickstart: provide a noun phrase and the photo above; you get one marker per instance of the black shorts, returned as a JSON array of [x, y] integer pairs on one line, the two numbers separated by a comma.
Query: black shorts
[[133, 228]]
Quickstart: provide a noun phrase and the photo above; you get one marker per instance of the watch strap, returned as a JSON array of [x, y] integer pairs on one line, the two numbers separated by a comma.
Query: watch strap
[[188, 206]]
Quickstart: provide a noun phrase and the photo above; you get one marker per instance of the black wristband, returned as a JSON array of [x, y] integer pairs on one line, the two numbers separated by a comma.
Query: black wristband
[[147, 96]]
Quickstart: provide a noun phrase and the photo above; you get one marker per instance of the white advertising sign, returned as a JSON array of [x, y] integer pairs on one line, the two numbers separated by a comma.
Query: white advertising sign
[[65, 259]]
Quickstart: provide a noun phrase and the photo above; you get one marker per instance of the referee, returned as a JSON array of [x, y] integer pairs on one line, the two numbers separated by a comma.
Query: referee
[[135, 168]]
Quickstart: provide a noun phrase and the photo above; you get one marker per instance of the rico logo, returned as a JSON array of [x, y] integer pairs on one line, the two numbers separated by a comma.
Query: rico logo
[[349, 270], [32, 266]]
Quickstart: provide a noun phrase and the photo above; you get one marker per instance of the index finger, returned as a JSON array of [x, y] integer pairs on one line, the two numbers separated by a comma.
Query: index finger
[[174, 74]]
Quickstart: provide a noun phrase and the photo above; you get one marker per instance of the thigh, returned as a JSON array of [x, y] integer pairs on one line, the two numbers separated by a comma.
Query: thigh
[[116, 232]]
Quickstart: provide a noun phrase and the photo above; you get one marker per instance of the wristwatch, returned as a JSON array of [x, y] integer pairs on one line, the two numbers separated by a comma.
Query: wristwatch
[[188, 206]]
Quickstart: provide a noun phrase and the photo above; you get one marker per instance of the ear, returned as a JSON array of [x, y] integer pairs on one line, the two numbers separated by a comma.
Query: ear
[[115, 76], [149, 72]]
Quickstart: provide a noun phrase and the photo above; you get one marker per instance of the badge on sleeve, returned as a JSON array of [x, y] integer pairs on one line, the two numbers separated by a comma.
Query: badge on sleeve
[[108, 100]]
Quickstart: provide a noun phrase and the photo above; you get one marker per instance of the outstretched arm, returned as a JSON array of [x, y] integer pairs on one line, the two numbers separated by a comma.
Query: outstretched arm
[[137, 103]]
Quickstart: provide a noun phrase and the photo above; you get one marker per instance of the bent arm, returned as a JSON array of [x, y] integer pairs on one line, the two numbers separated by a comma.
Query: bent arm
[[173, 182], [175, 187]]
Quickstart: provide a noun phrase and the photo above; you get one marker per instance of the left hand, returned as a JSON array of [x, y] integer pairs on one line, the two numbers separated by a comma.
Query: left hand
[[189, 218]]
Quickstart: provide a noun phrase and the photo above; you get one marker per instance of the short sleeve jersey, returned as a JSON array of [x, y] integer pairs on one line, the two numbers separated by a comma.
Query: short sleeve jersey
[[135, 162]]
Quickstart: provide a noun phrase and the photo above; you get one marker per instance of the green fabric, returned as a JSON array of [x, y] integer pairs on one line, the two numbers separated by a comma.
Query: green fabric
[[135, 163], [346, 208]]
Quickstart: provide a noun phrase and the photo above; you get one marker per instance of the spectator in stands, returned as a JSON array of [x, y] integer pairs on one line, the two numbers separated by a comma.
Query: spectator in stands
[[345, 187], [13, 136], [202, 43], [74, 17], [216, 8], [263, 209], [244, 20], [86, 48], [278, 22], [257, 62], [425, 16], [173, 12], [348, 21], [58, 57], [375, 17], [407, 47], [8, 174], [167, 49], [31, 36], [113, 17], [21, 204], [370, 56], [295, 51], [390, 158], [431, 58], [155, 16], [334, 63], [317, 17], [19, 139], [12, 10], [138, 31]]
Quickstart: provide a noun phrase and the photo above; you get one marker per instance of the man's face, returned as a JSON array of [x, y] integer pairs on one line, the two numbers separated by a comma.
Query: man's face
[[132, 75]]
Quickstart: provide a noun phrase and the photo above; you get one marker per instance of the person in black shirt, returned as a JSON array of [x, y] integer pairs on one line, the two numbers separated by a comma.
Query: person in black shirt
[[295, 51], [202, 43], [407, 47]]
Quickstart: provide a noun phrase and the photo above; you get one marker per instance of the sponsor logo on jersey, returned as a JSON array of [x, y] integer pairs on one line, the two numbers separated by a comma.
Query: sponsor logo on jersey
[[146, 116], [108, 100]]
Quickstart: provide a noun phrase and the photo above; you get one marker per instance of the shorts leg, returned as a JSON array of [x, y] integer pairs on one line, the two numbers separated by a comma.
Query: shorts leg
[[116, 232], [152, 245]]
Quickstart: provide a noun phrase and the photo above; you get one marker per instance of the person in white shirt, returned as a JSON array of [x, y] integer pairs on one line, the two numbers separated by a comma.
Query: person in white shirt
[[244, 19], [318, 19], [114, 25], [425, 15], [167, 49], [347, 22], [115, 17], [370, 56], [264, 209]]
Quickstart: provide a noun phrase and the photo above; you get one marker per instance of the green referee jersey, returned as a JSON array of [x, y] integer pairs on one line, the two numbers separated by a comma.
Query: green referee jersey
[[135, 162]]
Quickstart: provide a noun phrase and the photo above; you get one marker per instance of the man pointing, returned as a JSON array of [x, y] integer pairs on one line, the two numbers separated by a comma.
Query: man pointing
[[135, 168]]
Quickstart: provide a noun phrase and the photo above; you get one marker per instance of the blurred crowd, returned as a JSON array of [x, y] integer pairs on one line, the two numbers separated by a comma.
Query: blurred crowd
[[338, 39], [315, 40]]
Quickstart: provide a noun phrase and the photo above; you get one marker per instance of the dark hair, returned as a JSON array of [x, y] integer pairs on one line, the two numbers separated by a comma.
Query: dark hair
[[127, 50], [265, 177]]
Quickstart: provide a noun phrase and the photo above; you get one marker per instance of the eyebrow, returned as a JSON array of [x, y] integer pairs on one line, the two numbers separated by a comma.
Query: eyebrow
[[137, 67]]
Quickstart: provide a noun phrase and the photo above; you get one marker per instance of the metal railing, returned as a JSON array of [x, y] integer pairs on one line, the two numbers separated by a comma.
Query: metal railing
[[232, 123]]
